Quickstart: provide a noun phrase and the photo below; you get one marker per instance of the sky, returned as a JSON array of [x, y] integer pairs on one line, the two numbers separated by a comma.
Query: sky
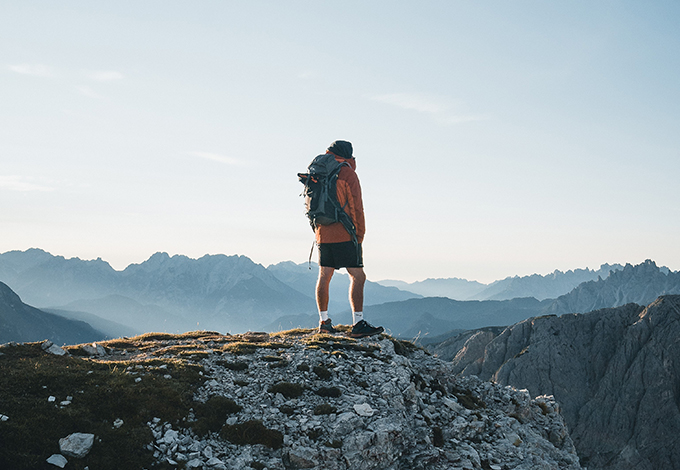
[[492, 138]]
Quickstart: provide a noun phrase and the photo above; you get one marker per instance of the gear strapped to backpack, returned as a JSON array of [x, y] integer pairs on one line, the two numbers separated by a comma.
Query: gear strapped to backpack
[[320, 193]]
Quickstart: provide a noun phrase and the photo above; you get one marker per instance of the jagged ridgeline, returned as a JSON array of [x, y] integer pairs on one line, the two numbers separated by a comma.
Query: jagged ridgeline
[[290, 400]]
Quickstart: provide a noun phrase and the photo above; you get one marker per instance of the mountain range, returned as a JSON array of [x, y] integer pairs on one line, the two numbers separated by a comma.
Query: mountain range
[[234, 294], [540, 287], [174, 294]]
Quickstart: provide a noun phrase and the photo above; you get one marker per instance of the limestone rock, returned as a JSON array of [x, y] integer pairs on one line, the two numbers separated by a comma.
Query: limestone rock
[[76, 445], [57, 460], [52, 348]]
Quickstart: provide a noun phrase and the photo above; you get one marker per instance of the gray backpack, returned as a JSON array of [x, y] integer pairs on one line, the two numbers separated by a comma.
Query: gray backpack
[[320, 193]]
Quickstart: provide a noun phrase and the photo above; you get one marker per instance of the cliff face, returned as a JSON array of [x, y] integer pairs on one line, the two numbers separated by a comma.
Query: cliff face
[[616, 373]]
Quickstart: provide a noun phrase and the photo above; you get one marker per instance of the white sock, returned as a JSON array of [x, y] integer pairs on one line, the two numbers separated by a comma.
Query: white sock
[[324, 315], [357, 317]]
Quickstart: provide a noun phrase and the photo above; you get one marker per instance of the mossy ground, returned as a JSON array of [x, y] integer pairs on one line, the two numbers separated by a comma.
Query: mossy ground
[[102, 392], [105, 389]]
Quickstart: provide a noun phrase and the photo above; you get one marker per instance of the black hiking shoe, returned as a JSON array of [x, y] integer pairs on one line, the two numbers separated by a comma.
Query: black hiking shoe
[[327, 327], [363, 328]]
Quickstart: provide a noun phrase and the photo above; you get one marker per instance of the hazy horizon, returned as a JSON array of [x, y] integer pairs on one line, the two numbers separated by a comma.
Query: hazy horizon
[[123, 267], [492, 139]]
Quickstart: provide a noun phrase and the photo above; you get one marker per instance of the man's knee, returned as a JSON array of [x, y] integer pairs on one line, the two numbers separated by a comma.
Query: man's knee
[[325, 275], [357, 275]]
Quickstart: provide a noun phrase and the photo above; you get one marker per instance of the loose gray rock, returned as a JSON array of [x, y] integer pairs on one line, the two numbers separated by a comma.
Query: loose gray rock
[[76, 445], [57, 460]]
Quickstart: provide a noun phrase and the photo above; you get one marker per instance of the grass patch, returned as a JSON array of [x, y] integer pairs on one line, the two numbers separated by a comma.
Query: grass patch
[[235, 365], [287, 389], [252, 432], [325, 409], [211, 415], [293, 333], [335, 444], [323, 372], [337, 343], [467, 399], [437, 437], [242, 348], [102, 392], [331, 392], [287, 410], [404, 348]]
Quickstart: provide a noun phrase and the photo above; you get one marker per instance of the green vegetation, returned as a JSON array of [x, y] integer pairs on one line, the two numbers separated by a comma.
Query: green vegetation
[[325, 409], [287, 389], [437, 436], [404, 348], [468, 400], [252, 432], [102, 391], [322, 372], [235, 366], [211, 415], [331, 392]]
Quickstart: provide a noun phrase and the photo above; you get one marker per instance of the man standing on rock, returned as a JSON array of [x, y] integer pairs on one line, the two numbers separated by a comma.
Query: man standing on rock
[[338, 250]]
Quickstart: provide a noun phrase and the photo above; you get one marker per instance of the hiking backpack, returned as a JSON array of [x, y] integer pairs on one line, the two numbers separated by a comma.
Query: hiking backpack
[[320, 193]]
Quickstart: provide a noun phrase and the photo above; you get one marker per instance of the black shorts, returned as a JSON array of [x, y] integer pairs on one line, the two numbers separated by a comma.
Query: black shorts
[[341, 255]]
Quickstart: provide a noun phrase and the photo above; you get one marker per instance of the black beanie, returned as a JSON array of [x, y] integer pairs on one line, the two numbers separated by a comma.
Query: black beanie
[[341, 148]]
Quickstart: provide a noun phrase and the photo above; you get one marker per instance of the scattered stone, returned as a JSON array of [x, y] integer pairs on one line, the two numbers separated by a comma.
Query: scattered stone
[[57, 460], [94, 349], [51, 399], [76, 445], [53, 349], [118, 423], [4, 417], [364, 409]]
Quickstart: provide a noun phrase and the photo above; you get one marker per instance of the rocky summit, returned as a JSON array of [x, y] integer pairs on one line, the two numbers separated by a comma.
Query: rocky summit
[[291, 400]]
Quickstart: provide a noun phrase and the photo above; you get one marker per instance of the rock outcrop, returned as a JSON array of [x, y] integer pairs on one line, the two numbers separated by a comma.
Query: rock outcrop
[[334, 406], [616, 373]]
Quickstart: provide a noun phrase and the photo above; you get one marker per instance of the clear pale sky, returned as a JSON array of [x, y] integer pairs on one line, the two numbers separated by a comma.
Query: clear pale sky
[[492, 138]]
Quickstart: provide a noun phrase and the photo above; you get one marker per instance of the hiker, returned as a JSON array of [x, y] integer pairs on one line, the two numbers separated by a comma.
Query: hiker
[[339, 249]]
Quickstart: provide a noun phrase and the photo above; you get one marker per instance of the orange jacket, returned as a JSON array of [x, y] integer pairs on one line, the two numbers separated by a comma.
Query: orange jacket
[[349, 197]]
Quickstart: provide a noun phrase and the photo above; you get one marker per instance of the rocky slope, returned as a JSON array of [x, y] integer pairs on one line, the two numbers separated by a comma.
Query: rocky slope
[[287, 401], [21, 322], [616, 373]]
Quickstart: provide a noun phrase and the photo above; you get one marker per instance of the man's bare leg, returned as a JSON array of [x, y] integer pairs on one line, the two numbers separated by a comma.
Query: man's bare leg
[[356, 288], [323, 287]]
